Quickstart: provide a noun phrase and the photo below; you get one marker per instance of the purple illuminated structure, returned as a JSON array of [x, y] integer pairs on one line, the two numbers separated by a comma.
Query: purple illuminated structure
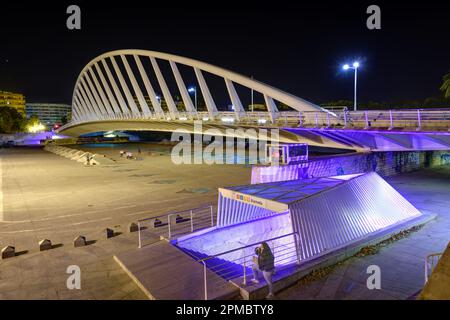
[[326, 213], [375, 139]]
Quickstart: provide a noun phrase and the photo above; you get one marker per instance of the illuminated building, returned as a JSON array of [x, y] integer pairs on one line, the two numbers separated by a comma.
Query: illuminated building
[[13, 100], [49, 114]]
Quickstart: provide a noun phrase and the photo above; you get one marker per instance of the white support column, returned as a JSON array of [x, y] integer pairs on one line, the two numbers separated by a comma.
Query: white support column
[[148, 86], [271, 107], [112, 99], [391, 121], [126, 90], [419, 121], [82, 109], [81, 112], [74, 111], [105, 101], [122, 103], [75, 105], [144, 107], [238, 109], [210, 104], [93, 111], [366, 120], [81, 104], [87, 97], [165, 90], [90, 97], [76, 115], [183, 91], [98, 101]]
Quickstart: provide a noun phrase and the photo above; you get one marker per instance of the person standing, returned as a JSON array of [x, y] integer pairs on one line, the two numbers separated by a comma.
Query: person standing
[[264, 262]]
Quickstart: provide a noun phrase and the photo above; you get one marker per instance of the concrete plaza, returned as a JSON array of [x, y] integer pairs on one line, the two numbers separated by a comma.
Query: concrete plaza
[[48, 196]]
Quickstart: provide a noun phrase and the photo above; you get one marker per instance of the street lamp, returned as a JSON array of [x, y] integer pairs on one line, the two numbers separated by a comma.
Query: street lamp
[[194, 89], [355, 67]]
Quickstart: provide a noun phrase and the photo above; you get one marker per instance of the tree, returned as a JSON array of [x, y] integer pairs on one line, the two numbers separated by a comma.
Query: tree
[[33, 121], [446, 85], [11, 121]]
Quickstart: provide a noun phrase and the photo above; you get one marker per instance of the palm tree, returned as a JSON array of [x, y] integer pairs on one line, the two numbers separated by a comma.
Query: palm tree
[[446, 85]]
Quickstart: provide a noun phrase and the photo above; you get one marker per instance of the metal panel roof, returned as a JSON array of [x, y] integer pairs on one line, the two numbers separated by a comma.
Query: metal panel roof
[[286, 192]]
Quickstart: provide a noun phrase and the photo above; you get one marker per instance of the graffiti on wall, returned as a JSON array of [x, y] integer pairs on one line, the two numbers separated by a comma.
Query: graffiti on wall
[[384, 163], [445, 158]]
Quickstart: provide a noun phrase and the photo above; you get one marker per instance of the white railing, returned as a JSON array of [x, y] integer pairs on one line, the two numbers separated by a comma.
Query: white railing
[[236, 264], [175, 224], [430, 262], [415, 119]]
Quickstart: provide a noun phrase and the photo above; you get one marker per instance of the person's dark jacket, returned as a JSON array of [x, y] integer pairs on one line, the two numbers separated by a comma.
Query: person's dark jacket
[[265, 260]]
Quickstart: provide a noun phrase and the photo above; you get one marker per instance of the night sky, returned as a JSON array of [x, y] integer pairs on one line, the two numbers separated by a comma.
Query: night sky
[[298, 48]]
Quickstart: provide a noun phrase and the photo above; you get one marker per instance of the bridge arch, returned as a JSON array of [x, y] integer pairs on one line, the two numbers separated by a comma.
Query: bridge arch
[[102, 89]]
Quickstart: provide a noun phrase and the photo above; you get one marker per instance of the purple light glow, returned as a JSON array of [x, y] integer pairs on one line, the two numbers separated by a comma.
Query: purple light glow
[[336, 213]]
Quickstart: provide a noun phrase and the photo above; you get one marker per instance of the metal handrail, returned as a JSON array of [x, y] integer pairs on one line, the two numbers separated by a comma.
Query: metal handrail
[[242, 259], [176, 212], [429, 263], [191, 212], [222, 270], [246, 246]]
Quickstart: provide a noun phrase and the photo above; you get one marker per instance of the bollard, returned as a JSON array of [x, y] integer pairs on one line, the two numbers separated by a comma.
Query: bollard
[[133, 227], [79, 241], [109, 233], [8, 252], [157, 223], [45, 244]]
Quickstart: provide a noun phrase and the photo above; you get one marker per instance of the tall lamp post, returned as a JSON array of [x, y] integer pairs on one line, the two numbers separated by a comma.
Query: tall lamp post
[[194, 90], [355, 67], [252, 98]]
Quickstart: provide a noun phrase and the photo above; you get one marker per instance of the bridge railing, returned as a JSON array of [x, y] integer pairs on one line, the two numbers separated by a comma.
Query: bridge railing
[[415, 119]]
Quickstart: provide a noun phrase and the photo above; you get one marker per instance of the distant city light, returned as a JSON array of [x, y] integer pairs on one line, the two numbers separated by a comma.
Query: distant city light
[[354, 66], [191, 89], [36, 128], [225, 119], [205, 119]]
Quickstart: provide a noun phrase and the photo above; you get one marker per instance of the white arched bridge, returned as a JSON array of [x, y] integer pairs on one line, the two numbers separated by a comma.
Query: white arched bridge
[[128, 90]]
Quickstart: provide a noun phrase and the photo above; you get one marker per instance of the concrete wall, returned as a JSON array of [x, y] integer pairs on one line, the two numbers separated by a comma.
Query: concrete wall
[[437, 287], [384, 163]]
